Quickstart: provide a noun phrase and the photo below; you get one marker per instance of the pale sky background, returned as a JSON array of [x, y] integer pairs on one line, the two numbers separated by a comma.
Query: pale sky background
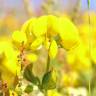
[[18, 4], [36, 3]]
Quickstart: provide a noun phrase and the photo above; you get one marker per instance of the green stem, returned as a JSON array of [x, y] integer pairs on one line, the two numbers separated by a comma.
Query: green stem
[[89, 89], [48, 64], [88, 2], [45, 93], [47, 69]]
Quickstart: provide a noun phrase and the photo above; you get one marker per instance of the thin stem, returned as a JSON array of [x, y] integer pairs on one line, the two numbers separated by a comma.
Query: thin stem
[[45, 93], [90, 44], [88, 2], [47, 69], [48, 64], [48, 58], [89, 89]]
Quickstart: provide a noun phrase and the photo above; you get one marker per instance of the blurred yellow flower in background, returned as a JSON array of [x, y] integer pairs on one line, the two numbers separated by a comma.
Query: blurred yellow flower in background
[[79, 57], [85, 17], [9, 66], [51, 32], [88, 36], [70, 79], [12, 93], [53, 93]]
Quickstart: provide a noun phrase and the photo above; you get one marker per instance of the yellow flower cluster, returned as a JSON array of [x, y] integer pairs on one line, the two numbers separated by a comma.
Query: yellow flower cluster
[[44, 31], [82, 57], [9, 67], [50, 32]]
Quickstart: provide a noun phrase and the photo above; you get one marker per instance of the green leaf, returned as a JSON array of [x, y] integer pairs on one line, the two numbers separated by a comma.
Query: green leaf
[[48, 81], [88, 2], [29, 89], [28, 75]]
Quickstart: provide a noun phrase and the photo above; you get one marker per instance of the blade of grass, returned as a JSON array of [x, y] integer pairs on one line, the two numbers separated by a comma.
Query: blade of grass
[[88, 2]]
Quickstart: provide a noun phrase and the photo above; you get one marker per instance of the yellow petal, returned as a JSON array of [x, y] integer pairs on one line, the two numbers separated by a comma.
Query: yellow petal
[[71, 57], [12, 93], [9, 66], [37, 43], [68, 33], [40, 27], [53, 93], [70, 79], [54, 75], [27, 26], [53, 49], [28, 29], [19, 37], [10, 57], [31, 57], [52, 25], [47, 43]]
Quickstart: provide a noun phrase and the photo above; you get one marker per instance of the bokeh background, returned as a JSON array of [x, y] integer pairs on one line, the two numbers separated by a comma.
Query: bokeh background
[[13, 13]]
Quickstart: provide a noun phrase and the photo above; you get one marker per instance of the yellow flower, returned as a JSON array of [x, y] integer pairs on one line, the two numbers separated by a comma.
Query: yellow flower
[[53, 93], [31, 57], [53, 49], [9, 67], [52, 25], [27, 26], [40, 26], [47, 43], [87, 34], [79, 57], [68, 33], [37, 43], [28, 29], [19, 38], [12, 93], [70, 79], [92, 15], [84, 32]]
